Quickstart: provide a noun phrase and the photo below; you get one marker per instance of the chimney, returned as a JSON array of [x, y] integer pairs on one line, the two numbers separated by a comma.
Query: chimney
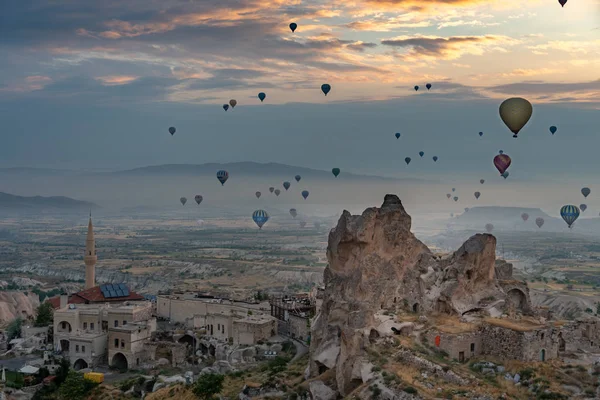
[[64, 300]]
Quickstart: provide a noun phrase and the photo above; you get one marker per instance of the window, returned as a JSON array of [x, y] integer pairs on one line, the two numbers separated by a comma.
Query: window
[[222, 328], [63, 325], [117, 343], [137, 361], [85, 325], [218, 326], [122, 343], [472, 347], [91, 326], [76, 348], [542, 335], [124, 323], [83, 349], [116, 323]]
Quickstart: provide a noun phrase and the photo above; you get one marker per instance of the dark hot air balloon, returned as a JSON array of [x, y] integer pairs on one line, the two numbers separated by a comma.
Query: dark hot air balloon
[[500, 151], [454, 189], [421, 153], [435, 158], [198, 199], [502, 162], [183, 200], [262, 96], [260, 218], [539, 222], [293, 212], [562, 2], [293, 26], [271, 189], [407, 160], [524, 216], [277, 192], [477, 194], [553, 129], [225, 107], [583, 207], [286, 185], [428, 86], [302, 224], [232, 103], [297, 178], [416, 88], [466, 209], [455, 198], [489, 228], [258, 194], [482, 181], [586, 191], [326, 88], [172, 130], [570, 214], [480, 134], [397, 135], [335, 172], [515, 113], [222, 176], [505, 174], [305, 194], [448, 195]]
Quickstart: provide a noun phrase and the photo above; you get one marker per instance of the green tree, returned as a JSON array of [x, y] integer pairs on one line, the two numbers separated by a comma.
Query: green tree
[[44, 315], [13, 330], [208, 385], [73, 388]]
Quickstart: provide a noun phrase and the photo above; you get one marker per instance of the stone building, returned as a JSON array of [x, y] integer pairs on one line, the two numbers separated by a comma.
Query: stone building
[[253, 329], [293, 315]]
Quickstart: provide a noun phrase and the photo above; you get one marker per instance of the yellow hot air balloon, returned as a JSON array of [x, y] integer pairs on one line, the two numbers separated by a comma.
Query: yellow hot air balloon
[[515, 113]]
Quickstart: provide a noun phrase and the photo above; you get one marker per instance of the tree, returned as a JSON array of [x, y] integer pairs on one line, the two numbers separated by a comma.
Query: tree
[[13, 330], [598, 308], [44, 315], [73, 388], [208, 385]]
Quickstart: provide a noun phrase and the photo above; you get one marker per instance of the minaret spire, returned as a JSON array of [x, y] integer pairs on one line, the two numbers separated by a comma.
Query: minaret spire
[[90, 256]]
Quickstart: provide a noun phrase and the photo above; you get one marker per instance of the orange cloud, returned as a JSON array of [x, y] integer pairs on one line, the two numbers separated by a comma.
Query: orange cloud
[[116, 79]]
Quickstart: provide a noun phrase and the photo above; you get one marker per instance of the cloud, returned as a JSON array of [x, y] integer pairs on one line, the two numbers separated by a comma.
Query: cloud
[[116, 79], [568, 46], [447, 48], [577, 92]]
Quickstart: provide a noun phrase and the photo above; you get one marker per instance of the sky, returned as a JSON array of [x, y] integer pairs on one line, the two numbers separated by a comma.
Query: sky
[[96, 85]]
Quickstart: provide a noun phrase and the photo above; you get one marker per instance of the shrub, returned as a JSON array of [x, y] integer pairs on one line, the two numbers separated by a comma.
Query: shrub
[[410, 390]]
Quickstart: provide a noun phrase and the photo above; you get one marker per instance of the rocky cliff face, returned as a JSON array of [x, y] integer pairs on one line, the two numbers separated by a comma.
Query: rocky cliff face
[[376, 263], [17, 304]]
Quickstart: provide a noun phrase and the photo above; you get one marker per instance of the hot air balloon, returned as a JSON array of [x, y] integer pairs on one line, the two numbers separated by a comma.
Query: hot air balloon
[[515, 113], [335, 172], [260, 217], [225, 107], [325, 88], [455, 198], [454, 189], [435, 158], [258, 194], [505, 174], [222, 176], [271, 189], [428, 86], [172, 130], [293, 26], [293, 212], [539, 222], [583, 207], [305, 194], [489, 228], [397, 135], [562, 2], [502, 162], [277, 192], [570, 214], [232, 103], [297, 178], [421, 153], [524, 216], [200, 222], [586, 191], [500, 151], [262, 96], [302, 224], [480, 134], [183, 200], [466, 209], [407, 160], [416, 88], [198, 199], [448, 195], [317, 224], [477, 194], [482, 181], [286, 185], [553, 129]]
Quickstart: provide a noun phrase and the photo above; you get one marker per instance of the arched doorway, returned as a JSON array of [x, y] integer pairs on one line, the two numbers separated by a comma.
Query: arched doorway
[[562, 345], [64, 345], [517, 299], [415, 307], [543, 355], [119, 361], [80, 364], [189, 341], [63, 327]]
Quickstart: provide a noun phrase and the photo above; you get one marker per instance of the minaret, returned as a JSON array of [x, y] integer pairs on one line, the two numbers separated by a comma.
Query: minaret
[[90, 256]]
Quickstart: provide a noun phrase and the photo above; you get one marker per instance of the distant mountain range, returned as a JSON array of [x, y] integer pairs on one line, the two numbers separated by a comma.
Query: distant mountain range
[[247, 168], [12, 202]]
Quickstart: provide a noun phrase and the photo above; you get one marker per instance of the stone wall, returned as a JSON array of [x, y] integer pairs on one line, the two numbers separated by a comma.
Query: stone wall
[[177, 351], [523, 346], [581, 335], [469, 344]]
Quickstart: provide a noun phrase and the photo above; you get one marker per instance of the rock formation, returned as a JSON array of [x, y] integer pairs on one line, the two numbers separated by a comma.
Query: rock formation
[[15, 304], [376, 263]]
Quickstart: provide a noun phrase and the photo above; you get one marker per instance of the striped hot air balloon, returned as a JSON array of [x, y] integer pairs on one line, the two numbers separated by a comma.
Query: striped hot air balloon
[[222, 176], [260, 218], [569, 213]]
